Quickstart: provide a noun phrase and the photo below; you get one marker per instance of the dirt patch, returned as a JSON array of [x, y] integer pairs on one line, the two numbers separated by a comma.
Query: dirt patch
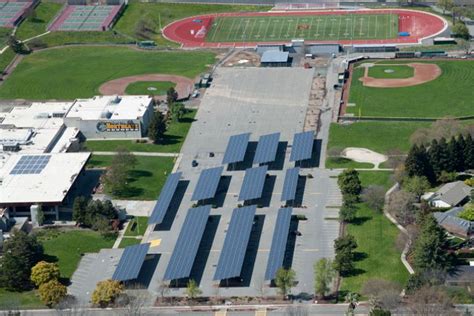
[[364, 155], [422, 73], [243, 59], [184, 86]]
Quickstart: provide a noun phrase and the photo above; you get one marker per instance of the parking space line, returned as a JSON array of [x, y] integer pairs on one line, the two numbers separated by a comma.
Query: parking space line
[[261, 312]]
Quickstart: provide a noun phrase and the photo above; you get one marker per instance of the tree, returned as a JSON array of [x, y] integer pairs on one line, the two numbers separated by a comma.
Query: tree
[[20, 253], [192, 289], [15, 45], [431, 300], [157, 127], [446, 177], [40, 218], [468, 212], [284, 280], [416, 185], [460, 30], [79, 206], [352, 299], [52, 292], [465, 45], [106, 292], [418, 164], [344, 260], [401, 205], [177, 111], [171, 96], [374, 197], [349, 182], [323, 276], [117, 174], [445, 5], [429, 251], [348, 212], [384, 294], [456, 154], [44, 272], [469, 152]]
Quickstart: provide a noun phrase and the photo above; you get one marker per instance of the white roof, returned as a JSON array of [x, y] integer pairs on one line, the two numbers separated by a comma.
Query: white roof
[[110, 107], [37, 115], [50, 185]]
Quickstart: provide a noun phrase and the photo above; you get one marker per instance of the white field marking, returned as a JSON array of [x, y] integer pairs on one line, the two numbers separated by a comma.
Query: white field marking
[[316, 35], [368, 27], [296, 26], [310, 26], [252, 23], [361, 25], [324, 27], [231, 33], [266, 29], [331, 31], [246, 24], [215, 29], [288, 30], [339, 28], [346, 31], [281, 30], [376, 26]]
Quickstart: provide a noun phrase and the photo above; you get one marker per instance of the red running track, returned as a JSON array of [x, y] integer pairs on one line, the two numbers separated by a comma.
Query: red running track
[[418, 24]]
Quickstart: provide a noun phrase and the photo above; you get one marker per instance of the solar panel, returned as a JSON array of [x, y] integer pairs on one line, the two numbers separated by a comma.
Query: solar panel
[[207, 184], [266, 148], [280, 238], [302, 146], [290, 184], [164, 200], [31, 164], [252, 186], [235, 243], [131, 262], [236, 148], [185, 250]]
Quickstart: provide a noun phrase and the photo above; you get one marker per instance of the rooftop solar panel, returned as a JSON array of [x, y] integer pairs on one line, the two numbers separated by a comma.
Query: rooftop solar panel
[[131, 262], [290, 184], [207, 184], [185, 250], [280, 238], [266, 148], [236, 148], [164, 200], [235, 243], [302, 148], [31, 164], [252, 186]]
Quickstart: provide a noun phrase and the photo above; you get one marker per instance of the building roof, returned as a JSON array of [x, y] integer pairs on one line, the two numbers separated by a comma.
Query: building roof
[[264, 48], [452, 193], [450, 221], [274, 56], [46, 181], [461, 274], [324, 49], [110, 107], [36, 115]]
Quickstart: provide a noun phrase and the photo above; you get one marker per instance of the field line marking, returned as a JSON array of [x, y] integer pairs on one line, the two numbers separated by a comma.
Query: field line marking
[[316, 35], [368, 27], [230, 32], [252, 27], [310, 29], [324, 28], [339, 28], [281, 30], [269, 21], [296, 27], [217, 28]]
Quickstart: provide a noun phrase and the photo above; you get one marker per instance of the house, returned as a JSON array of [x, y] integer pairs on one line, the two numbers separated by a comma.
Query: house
[[461, 276], [453, 224], [449, 195]]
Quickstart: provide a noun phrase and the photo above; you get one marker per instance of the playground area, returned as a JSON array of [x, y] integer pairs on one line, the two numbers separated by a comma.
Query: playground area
[[86, 18], [379, 26], [12, 12]]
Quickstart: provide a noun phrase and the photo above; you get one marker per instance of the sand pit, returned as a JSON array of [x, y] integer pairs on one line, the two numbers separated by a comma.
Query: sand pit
[[364, 155], [422, 73]]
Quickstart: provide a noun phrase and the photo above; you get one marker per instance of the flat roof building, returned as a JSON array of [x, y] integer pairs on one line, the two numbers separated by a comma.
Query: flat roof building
[[111, 116], [275, 58]]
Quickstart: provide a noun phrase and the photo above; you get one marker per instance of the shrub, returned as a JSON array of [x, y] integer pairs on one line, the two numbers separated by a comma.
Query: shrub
[[44, 272], [52, 292], [106, 292], [468, 212]]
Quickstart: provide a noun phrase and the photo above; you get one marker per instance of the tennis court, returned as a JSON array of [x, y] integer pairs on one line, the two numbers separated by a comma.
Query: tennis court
[[86, 18], [11, 12], [310, 27]]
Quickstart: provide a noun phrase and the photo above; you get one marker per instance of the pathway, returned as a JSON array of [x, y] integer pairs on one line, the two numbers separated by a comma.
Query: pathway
[[136, 153]]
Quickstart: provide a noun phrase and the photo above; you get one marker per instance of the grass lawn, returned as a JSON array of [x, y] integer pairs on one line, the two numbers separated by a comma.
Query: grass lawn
[[375, 235], [309, 27], [155, 14], [45, 12], [66, 247], [340, 162], [451, 94], [77, 72], [149, 87], [145, 180], [377, 136], [6, 58], [173, 139], [137, 226], [129, 242], [391, 72], [15, 300]]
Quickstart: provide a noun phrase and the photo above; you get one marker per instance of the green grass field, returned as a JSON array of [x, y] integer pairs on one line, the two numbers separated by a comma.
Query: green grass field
[[377, 136], [145, 180], [77, 72], [308, 27], [451, 94], [173, 139], [16, 300], [143, 87], [45, 12], [375, 236], [154, 14], [129, 242], [137, 226], [391, 72], [340, 162]]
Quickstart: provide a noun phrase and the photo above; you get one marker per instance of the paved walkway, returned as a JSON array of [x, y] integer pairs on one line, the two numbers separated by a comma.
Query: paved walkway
[[136, 153]]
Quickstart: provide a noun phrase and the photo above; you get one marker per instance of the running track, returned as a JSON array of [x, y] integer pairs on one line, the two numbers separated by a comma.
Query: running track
[[419, 24]]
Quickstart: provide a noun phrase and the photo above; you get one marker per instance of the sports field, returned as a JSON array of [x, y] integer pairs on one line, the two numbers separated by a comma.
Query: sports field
[[308, 27]]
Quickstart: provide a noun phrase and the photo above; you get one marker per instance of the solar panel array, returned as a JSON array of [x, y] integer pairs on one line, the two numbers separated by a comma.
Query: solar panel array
[[279, 241], [236, 148], [267, 148], [252, 186], [302, 148], [31, 164], [164, 200], [290, 184], [131, 262], [235, 243], [185, 250], [207, 184]]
